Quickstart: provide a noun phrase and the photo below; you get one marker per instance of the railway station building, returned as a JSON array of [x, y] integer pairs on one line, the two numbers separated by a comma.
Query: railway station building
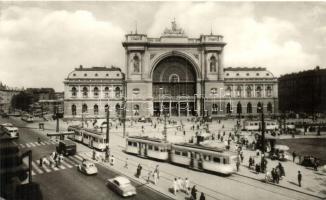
[[182, 77]]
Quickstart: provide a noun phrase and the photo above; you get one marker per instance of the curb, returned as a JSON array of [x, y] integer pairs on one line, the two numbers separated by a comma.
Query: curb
[[313, 195]]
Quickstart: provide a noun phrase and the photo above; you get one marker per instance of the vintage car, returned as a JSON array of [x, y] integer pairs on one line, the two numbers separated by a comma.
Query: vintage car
[[87, 167], [122, 186]]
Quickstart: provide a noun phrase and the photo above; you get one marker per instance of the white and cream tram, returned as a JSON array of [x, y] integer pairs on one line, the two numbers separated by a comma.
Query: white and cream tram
[[203, 158], [148, 147], [255, 125], [94, 139], [77, 136]]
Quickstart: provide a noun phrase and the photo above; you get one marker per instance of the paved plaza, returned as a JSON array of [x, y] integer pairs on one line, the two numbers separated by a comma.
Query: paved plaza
[[313, 184]]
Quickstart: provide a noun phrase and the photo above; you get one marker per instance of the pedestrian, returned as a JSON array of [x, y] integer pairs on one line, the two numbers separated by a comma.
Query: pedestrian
[[238, 165], [126, 164], [175, 187], [112, 160], [157, 171], [94, 154], [241, 156], [299, 178], [186, 185], [250, 162], [282, 171], [180, 183], [149, 176], [194, 192], [273, 175], [41, 161], [202, 196], [294, 155], [155, 176], [60, 158], [39, 140], [316, 163], [139, 168]]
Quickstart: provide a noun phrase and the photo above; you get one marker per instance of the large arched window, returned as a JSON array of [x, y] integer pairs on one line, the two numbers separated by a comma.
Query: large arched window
[[73, 91], [249, 108], [96, 91], [136, 110], [95, 109], [228, 108], [85, 92], [106, 92], [136, 64], [248, 91], [73, 110], [117, 92], [269, 107], [117, 109], [228, 91], [84, 108], [239, 108], [212, 64], [269, 91], [239, 91], [259, 107], [214, 109], [258, 91]]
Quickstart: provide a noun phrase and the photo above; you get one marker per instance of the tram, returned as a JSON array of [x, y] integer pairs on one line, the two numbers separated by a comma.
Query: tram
[[77, 136], [148, 147], [255, 125], [193, 156], [90, 137], [204, 158], [94, 139]]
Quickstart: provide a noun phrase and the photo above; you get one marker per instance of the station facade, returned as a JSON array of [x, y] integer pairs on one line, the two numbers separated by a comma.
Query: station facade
[[174, 75], [185, 76]]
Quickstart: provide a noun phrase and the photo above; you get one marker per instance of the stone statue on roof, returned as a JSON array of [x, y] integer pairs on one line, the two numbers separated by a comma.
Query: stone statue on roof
[[174, 31]]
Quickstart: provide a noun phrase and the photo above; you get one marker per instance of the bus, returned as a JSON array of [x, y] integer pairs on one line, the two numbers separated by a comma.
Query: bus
[[11, 131], [28, 118]]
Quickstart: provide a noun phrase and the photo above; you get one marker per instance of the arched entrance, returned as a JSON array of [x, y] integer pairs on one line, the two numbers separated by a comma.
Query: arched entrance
[[174, 87]]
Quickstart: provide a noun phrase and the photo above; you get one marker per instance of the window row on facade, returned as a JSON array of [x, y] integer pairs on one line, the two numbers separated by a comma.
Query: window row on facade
[[244, 91], [249, 108], [86, 91]]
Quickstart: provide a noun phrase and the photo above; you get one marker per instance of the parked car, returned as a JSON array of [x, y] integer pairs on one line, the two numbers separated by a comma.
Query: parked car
[[308, 161], [5, 115], [87, 167], [122, 186]]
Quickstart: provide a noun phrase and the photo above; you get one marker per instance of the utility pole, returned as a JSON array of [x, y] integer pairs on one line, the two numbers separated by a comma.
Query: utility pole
[[107, 124], [165, 128], [124, 116], [57, 118]]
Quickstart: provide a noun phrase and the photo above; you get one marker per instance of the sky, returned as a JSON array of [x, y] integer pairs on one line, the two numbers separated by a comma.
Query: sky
[[41, 42]]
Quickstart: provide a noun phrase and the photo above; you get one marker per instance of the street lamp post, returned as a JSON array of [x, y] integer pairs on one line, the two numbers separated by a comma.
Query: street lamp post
[[261, 110], [107, 124]]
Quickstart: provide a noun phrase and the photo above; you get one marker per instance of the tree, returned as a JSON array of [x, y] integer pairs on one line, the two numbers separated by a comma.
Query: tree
[[22, 101]]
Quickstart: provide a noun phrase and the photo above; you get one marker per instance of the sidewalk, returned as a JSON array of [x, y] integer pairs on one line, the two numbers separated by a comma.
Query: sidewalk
[[313, 182]]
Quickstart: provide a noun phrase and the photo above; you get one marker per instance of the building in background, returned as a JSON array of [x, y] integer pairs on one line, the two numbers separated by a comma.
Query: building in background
[[88, 92], [5, 99], [303, 92], [185, 76]]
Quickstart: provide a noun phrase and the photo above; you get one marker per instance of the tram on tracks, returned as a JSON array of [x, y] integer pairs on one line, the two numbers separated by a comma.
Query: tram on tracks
[[90, 137], [255, 125], [189, 155]]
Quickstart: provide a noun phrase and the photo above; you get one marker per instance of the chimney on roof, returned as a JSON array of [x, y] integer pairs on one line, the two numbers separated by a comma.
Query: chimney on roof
[[317, 67]]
